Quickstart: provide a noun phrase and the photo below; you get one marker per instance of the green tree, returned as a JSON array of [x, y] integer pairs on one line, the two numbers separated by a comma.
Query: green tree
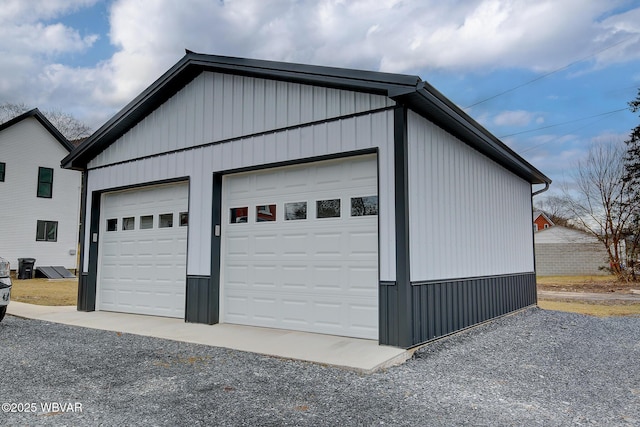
[[632, 177]]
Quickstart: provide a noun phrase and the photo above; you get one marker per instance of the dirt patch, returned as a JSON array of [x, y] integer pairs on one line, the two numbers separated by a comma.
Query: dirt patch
[[591, 284], [600, 309]]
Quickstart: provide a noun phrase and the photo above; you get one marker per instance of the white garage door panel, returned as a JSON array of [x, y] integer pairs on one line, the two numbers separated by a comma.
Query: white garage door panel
[[316, 275], [143, 270]]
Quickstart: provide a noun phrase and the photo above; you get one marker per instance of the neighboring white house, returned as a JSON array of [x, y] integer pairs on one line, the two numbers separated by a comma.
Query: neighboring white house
[[40, 200], [300, 197], [562, 251]]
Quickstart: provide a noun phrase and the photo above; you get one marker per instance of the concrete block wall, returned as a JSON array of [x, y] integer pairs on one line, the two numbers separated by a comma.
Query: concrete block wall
[[560, 259]]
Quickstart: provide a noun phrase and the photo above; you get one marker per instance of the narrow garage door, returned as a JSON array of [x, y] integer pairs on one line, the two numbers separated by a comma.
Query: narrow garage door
[[300, 248], [143, 246]]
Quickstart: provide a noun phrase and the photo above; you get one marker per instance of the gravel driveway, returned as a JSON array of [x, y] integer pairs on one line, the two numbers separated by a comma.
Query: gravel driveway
[[533, 368]]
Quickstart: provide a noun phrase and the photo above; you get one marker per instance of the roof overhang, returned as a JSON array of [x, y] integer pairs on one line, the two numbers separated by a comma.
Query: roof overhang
[[408, 90], [428, 102]]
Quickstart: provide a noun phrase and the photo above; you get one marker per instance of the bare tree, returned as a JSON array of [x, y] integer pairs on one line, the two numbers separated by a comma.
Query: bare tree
[[600, 203], [68, 125], [554, 208]]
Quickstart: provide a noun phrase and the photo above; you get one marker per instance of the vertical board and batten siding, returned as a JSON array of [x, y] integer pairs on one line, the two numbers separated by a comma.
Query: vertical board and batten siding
[[470, 235], [366, 132], [469, 217], [216, 107], [24, 147]]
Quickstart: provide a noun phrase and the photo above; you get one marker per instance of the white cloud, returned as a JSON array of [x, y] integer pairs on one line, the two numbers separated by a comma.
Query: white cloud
[[36, 10], [30, 44], [408, 36], [513, 118]]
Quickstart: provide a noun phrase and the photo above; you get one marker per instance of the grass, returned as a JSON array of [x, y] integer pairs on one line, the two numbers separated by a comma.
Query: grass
[[45, 291], [65, 292], [588, 284]]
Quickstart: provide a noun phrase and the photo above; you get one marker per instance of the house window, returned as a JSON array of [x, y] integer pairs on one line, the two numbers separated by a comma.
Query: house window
[[47, 231], [546, 226], [45, 182], [3, 167]]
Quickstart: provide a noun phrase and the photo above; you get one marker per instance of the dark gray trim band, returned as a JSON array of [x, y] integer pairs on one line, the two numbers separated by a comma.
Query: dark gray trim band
[[201, 300], [450, 306]]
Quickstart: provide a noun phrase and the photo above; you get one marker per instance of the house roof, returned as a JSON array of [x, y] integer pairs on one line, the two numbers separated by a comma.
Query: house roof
[[559, 234], [536, 214], [36, 114], [404, 89]]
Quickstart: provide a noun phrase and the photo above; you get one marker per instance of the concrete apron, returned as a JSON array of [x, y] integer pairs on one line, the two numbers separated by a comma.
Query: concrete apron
[[351, 353]]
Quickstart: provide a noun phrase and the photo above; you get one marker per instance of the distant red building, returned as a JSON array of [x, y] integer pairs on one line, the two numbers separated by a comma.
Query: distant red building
[[541, 221]]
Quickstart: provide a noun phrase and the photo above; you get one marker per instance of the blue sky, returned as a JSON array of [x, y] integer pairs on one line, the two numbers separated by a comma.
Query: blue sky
[[548, 77]]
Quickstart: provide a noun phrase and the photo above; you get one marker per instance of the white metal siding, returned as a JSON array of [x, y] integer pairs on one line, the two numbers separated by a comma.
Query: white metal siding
[[214, 107], [24, 147], [363, 132], [468, 216]]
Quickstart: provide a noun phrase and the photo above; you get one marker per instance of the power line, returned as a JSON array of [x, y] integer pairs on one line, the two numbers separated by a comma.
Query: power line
[[563, 123], [547, 74], [533, 147]]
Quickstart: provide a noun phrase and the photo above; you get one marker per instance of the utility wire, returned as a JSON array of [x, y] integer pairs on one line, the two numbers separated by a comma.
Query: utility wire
[[533, 147], [547, 74], [563, 123]]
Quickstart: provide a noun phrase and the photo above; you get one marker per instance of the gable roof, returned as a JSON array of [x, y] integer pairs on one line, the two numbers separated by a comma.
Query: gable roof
[[36, 114], [404, 89], [536, 214]]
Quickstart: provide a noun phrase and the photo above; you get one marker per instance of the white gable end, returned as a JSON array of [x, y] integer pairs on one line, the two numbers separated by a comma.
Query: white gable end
[[216, 107]]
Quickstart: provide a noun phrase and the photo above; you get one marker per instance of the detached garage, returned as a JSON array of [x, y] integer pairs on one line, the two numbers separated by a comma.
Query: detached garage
[[317, 199]]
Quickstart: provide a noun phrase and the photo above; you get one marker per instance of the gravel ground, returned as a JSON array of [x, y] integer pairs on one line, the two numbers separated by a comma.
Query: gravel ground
[[533, 368]]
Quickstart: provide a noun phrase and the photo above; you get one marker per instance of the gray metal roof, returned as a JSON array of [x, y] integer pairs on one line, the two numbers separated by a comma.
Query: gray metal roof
[[409, 90], [36, 114]]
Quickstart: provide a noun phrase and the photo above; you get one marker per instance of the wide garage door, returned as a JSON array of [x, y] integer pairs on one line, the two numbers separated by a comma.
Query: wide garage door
[[143, 247], [300, 247]]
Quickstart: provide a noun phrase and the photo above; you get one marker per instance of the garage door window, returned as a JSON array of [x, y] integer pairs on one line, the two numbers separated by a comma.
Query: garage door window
[[265, 213], [362, 206], [328, 208], [166, 220], [295, 210], [112, 224], [238, 215], [146, 222], [128, 223], [184, 219]]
